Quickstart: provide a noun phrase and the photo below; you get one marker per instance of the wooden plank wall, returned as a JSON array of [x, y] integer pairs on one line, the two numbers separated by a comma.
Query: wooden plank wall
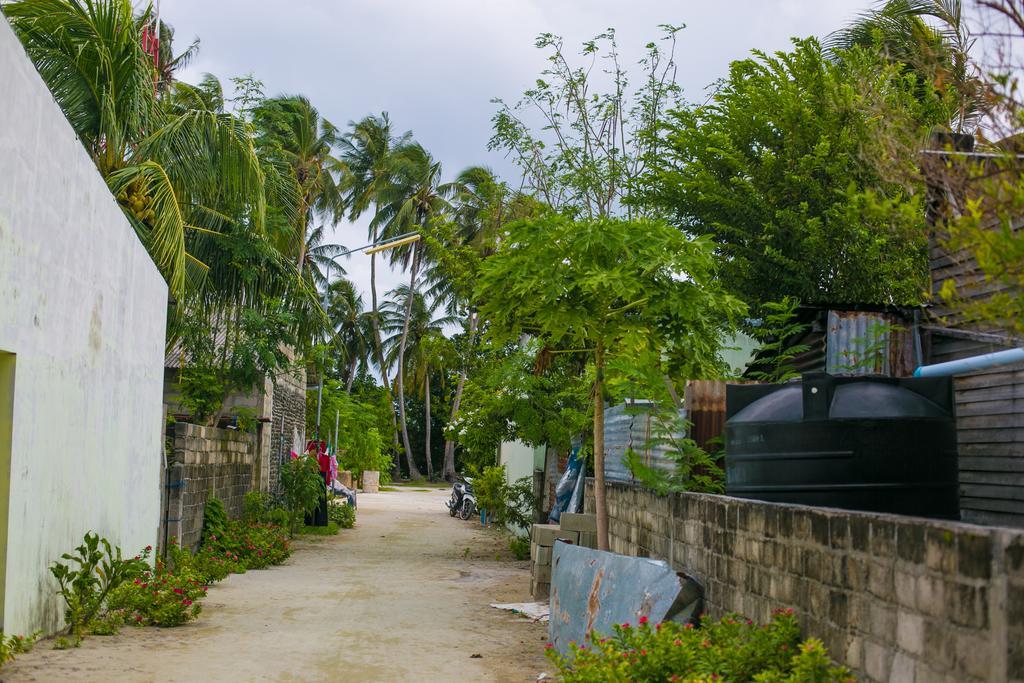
[[990, 403]]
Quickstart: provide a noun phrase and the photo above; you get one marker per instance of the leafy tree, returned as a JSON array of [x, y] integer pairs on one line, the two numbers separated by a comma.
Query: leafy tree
[[588, 144], [172, 169], [419, 326], [781, 168], [413, 199], [636, 293]]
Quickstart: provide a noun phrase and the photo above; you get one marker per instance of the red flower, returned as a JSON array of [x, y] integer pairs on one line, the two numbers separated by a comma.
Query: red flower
[[643, 620], [149, 548], [178, 591], [625, 624], [677, 642], [548, 646], [138, 618]]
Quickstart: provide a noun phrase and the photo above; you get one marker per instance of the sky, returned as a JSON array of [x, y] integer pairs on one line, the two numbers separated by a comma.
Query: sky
[[435, 65]]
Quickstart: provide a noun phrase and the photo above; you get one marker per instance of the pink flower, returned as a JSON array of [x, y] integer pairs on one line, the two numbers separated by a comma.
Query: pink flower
[[625, 624], [643, 620], [677, 642], [178, 591], [149, 548], [548, 646]]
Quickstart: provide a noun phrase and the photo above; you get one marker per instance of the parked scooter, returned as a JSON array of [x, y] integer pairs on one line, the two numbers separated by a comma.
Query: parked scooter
[[463, 501]]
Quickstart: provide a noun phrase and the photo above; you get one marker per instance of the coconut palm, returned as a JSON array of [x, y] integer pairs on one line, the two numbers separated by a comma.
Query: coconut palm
[[367, 154], [292, 132], [348, 320], [413, 198], [170, 169], [418, 324], [931, 38]]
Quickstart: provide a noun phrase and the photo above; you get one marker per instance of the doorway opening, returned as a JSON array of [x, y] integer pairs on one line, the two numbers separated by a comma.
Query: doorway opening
[[6, 437]]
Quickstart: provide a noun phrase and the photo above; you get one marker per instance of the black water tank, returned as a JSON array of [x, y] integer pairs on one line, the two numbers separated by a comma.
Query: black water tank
[[860, 443]]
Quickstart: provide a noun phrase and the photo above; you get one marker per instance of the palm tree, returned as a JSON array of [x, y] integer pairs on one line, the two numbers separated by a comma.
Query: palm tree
[[931, 38], [293, 132], [367, 156], [171, 169], [414, 197], [415, 322], [345, 310]]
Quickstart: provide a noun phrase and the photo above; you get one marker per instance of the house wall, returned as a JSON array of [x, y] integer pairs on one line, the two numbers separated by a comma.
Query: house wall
[[206, 462], [82, 310], [893, 598]]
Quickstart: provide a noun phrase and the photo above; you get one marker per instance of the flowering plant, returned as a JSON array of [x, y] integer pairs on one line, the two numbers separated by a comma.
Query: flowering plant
[[731, 649], [161, 597], [250, 545]]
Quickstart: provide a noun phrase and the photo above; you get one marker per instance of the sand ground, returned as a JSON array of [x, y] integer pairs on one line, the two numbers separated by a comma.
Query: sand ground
[[404, 596]]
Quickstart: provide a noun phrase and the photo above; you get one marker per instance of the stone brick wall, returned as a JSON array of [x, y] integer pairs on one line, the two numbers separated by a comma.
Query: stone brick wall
[[893, 598], [288, 417], [205, 462]]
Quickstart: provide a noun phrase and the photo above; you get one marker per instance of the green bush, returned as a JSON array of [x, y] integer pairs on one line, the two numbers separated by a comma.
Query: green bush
[[505, 503], [520, 547], [343, 515], [331, 529], [731, 649], [207, 565], [255, 506], [90, 575], [214, 517], [162, 597], [11, 646], [302, 487], [253, 546]]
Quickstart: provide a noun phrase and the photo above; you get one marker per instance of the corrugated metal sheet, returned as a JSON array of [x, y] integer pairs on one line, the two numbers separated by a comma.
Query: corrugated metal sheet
[[868, 343], [630, 426], [591, 591], [705, 409]]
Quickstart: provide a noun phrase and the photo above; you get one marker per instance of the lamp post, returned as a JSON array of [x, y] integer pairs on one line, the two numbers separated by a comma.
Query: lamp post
[[371, 248]]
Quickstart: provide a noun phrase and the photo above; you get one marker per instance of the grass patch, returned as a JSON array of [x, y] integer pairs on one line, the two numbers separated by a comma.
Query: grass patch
[[387, 489], [331, 529]]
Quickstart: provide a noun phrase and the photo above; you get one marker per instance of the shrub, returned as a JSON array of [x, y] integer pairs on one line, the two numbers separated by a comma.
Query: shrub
[[214, 517], [731, 649], [253, 546], [159, 598], [206, 565], [520, 547], [343, 515], [255, 506], [505, 503], [90, 575], [302, 486], [10, 646]]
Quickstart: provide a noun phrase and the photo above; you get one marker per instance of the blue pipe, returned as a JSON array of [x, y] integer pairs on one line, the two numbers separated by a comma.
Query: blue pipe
[[957, 367]]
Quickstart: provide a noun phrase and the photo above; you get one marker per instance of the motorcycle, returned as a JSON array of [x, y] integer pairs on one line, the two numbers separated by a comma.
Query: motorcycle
[[463, 501]]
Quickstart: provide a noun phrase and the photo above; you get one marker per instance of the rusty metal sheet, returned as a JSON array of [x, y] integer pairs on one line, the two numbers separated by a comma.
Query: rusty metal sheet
[[592, 590]]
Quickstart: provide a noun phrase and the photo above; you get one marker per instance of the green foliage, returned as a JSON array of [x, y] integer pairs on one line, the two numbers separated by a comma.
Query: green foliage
[[161, 597], [215, 517], [776, 332], [593, 141], [89, 575], [786, 168], [695, 469], [232, 355], [641, 290], [344, 515], [251, 545], [504, 399], [520, 547], [505, 503], [361, 423], [731, 649], [11, 646], [331, 529], [302, 486], [255, 506]]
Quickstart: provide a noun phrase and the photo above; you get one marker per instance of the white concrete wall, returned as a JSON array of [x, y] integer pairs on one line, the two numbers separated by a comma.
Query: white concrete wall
[[83, 309]]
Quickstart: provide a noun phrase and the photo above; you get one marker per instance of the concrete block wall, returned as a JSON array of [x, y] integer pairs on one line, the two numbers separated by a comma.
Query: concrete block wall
[[206, 462], [288, 417], [893, 598]]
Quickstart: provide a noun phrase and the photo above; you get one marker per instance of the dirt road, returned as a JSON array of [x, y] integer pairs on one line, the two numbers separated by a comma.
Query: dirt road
[[398, 598]]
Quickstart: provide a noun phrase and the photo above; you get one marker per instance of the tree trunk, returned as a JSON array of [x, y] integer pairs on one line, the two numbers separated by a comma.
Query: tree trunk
[[351, 374], [414, 473], [449, 444], [600, 503], [426, 410]]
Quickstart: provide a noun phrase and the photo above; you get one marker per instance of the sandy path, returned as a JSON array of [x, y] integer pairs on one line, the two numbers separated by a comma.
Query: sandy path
[[395, 599]]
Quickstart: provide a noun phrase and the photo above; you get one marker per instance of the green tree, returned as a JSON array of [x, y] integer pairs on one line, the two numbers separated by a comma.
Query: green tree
[[418, 325], [349, 322], [781, 168], [294, 134], [413, 199], [627, 294], [172, 169], [591, 143]]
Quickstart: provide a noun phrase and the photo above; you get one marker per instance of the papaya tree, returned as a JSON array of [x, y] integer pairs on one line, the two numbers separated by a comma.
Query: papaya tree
[[635, 297]]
